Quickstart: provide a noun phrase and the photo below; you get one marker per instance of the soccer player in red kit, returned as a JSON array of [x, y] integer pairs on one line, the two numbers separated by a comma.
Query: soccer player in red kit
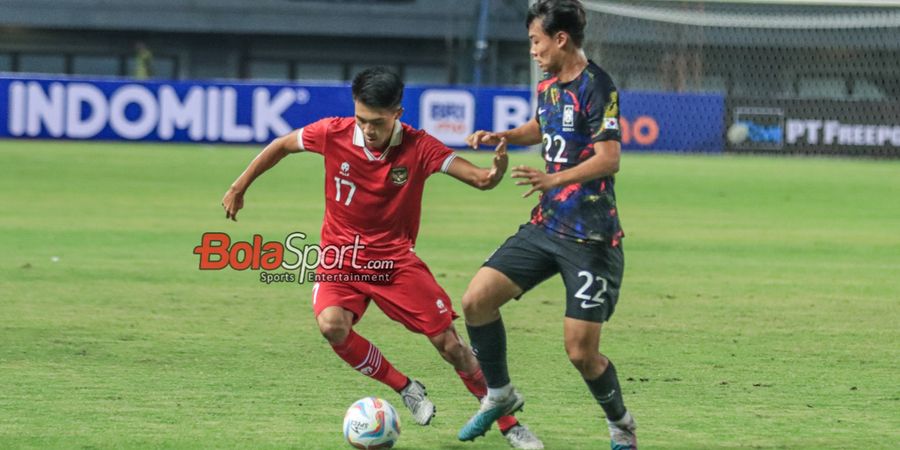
[[375, 172]]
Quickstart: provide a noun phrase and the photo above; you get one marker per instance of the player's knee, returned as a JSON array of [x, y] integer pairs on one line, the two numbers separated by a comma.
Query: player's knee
[[488, 291], [447, 344], [335, 332], [589, 363], [473, 301], [584, 361], [578, 359], [455, 352]]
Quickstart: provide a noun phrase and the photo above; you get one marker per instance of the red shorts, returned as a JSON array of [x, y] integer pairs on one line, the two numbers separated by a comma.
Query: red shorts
[[412, 297]]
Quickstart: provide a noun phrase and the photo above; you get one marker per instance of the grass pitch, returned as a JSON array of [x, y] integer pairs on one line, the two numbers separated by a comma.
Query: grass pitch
[[760, 306]]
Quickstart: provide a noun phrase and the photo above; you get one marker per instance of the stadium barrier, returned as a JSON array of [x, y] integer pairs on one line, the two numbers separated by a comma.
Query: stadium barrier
[[801, 78], [813, 126], [253, 113]]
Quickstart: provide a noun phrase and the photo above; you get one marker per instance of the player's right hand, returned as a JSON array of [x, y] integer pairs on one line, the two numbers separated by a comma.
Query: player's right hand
[[232, 202], [482, 137], [498, 168]]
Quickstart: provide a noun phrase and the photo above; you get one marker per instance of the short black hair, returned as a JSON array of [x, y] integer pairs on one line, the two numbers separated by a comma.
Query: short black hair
[[378, 87], [560, 15]]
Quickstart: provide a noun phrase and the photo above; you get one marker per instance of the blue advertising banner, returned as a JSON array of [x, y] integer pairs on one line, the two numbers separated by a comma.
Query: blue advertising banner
[[71, 108], [252, 113], [656, 121]]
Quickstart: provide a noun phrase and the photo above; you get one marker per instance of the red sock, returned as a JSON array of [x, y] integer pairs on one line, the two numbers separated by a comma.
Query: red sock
[[477, 386], [474, 383], [367, 360]]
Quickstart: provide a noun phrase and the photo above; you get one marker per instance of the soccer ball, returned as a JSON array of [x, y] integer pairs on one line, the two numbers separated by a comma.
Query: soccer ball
[[371, 423], [738, 133]]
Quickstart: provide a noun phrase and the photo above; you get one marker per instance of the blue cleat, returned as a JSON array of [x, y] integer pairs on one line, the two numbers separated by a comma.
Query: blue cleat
[[490, 411]]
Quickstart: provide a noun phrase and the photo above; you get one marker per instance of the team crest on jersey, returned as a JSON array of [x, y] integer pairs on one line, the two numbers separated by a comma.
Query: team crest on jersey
[[399, 175], [568, 117], [345, 168]]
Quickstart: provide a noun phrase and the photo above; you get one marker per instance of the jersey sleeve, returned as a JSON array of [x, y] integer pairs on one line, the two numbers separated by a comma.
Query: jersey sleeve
[[436, 157], [311, 138], [603, 111]]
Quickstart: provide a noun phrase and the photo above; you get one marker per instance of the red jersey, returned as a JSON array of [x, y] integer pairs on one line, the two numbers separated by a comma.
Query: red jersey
[[377, 196]]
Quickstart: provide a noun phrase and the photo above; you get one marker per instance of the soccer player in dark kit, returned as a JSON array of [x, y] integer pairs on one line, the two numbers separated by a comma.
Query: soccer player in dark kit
[[574, 230], [375, 172]]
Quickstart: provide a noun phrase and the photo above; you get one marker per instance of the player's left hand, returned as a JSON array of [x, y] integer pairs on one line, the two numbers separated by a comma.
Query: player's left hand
[[538, 179]]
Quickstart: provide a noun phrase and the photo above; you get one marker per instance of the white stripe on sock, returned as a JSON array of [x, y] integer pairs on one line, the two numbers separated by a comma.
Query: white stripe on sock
[[366, 360]]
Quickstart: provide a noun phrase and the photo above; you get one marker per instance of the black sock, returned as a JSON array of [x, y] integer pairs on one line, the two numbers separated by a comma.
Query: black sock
[[608, 393], [489, 345]]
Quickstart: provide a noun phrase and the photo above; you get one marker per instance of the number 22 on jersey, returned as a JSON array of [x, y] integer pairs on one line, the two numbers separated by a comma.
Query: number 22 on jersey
[[554, 146]]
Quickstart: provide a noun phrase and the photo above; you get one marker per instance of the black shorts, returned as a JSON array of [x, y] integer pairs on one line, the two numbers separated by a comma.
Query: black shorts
[[592, 272]]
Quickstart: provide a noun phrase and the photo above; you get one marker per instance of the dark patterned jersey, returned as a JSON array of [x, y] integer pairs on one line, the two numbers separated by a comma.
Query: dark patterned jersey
[[573, 116]]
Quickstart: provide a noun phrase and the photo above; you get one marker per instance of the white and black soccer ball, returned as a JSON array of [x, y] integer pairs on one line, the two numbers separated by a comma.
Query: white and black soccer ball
[[370, 423]]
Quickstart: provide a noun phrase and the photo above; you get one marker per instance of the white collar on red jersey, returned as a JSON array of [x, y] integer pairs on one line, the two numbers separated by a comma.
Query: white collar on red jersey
[[396, 138]]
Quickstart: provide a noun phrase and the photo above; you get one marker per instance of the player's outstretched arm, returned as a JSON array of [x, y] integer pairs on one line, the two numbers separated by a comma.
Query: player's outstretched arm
[[603, 163], [478, 177], [528, 133], [274, 152]]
